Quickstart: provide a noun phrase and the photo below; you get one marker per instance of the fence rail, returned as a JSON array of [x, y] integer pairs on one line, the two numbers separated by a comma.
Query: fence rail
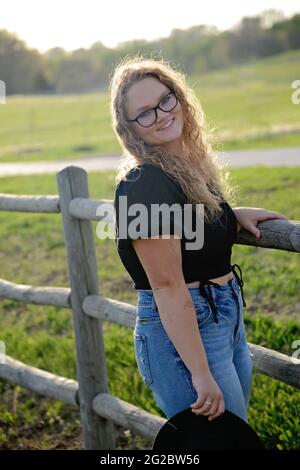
[[101, 413], [12, 202], [57, 296]]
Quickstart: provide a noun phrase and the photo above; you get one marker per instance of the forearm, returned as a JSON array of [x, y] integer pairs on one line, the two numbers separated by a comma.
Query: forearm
[[178, 316]]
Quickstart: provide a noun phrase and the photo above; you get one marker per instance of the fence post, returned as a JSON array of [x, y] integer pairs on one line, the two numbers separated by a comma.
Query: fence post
[[98, 433]]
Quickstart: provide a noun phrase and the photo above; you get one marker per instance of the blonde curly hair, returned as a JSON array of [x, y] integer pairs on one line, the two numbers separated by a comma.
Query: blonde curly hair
[[200, 176]]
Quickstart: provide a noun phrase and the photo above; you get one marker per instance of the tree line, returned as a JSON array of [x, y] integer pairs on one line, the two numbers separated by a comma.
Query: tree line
[[198, 49]]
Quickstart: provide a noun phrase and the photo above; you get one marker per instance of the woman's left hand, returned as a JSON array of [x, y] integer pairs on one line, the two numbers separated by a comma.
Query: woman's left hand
[[248, 217]]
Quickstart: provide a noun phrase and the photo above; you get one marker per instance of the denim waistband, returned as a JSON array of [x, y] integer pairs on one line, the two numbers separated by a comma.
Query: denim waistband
[[208, 295], [205, 288]]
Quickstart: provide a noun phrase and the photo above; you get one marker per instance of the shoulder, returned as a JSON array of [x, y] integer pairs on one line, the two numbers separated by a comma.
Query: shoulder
[[135, 179], [148, 181], [147, 176], [145, 171], [227, 206], [229, 211]]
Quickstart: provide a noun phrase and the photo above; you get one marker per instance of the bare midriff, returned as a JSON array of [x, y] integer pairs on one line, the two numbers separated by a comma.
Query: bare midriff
[[218, 280]]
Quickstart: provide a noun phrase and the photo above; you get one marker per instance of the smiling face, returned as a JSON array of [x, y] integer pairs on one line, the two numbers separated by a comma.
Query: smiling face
[[146, 94]]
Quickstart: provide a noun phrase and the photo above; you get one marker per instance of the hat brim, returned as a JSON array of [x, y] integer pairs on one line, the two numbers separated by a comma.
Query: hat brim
[[186, 430]]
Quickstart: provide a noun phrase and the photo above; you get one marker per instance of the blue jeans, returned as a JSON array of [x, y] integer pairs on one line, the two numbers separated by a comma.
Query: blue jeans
[[229, 358]]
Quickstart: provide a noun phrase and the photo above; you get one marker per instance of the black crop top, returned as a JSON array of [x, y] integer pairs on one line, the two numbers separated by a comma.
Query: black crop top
[[149, 184]]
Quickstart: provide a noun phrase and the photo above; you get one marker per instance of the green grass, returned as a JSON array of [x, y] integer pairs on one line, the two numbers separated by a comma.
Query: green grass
[[32, 251], [249, 106]]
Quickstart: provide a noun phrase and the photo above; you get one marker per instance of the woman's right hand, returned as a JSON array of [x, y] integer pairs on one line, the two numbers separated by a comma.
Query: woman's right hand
[[207, 390]]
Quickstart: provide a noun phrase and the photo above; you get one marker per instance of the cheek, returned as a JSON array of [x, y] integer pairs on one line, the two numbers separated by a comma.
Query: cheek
[[146, 134], [140, 131], [180, 111], [180, 119]]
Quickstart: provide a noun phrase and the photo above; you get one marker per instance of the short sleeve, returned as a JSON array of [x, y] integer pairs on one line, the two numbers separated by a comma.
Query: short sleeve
[[147, 204]]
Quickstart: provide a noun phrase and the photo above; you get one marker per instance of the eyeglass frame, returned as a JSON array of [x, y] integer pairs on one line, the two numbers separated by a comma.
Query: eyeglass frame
[[155, 109]]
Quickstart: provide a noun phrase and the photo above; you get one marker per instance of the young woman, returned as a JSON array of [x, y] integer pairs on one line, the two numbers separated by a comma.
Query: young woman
[[189, 337]]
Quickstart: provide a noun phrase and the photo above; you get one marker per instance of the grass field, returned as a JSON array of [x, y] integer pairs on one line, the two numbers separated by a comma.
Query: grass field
[[249, 107], [32, 251]]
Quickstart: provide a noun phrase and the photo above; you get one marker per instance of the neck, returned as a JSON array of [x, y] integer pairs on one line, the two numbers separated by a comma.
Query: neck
[[176, 148]]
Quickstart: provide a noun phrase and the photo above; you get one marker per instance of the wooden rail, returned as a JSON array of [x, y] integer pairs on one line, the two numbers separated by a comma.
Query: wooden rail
[[101, 413]]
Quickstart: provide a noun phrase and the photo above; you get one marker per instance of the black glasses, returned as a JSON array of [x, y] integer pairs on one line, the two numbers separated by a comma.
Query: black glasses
[[149, 117]]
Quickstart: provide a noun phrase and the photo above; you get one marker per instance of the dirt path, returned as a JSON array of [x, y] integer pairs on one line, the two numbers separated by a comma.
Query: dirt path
[[270, 157]]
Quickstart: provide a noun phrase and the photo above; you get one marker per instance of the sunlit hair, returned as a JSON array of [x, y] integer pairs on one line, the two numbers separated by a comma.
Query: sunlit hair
[[201, 177]]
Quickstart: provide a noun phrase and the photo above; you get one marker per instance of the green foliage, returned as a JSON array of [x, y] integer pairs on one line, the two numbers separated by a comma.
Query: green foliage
[[32, 252], [248, 106], [198, 49], [274, 410]]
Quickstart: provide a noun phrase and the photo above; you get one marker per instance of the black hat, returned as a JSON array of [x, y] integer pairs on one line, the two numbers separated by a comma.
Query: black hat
[[187, 430]]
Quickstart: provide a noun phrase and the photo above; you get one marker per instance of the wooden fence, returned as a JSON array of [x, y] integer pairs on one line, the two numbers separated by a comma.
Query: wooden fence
[[102, 414]]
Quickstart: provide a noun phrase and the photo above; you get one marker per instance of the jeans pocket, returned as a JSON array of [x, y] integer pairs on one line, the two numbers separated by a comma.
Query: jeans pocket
[[203, 312], [227, 308], [142, 358]]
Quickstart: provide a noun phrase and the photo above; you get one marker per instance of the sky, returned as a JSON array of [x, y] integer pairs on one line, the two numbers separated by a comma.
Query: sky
[[72, 24]]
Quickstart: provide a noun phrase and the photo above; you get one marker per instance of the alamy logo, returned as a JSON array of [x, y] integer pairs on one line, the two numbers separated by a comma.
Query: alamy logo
[[164, 220], [296, 354], [296, 93], [2, 353], [2, 92]]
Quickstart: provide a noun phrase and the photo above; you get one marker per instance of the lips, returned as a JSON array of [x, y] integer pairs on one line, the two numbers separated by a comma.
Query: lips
[[167, 125]]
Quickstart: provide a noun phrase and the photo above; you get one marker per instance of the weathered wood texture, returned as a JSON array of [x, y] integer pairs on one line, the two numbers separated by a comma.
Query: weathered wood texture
[[57, 296], [98, 433]]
